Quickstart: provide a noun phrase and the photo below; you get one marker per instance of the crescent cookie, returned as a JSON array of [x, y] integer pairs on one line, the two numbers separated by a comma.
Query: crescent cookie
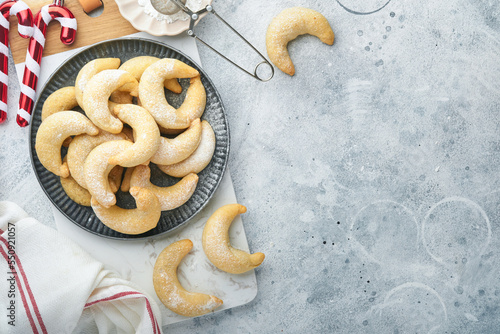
[[51, 134], [152, 95], [171, 151], [61, 100], [79, 149], [170, 291], [115, 178], [119, 97], [125, 186], [200, 158], [136, 66], [216, 243], [80, 195], [170, 197], [170, 132], [289, 24], [146, 136], [89, 70], [75, 192], [96, 95], [131, 221], [128, 132], [97, 168]]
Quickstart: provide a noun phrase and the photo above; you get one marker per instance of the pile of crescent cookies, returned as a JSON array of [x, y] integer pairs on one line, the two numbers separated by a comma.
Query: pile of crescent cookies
[[104, 155], [102, 147]]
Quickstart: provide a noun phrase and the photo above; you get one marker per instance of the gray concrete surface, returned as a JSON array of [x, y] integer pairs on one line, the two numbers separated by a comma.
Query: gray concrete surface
[[371, 177]]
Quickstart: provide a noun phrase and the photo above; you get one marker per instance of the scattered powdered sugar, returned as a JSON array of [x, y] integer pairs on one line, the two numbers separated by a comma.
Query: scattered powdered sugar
[[194, 5], [211, 304], [174, 300]]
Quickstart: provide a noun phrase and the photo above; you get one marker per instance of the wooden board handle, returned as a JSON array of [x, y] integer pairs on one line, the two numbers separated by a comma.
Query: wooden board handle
[[90, 5]]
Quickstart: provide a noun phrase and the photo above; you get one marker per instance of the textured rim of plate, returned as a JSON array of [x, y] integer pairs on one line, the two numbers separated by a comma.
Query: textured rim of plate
[[209, 178], [141, 21]]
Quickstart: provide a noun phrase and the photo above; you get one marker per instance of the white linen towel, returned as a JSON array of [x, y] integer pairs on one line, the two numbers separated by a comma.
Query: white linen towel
[[50, 285]]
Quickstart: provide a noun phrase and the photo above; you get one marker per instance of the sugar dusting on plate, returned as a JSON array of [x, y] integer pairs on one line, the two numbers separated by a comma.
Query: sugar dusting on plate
[[194, 5]]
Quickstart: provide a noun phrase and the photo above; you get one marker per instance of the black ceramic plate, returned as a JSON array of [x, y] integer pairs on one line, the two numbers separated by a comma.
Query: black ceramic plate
[[209, 178]]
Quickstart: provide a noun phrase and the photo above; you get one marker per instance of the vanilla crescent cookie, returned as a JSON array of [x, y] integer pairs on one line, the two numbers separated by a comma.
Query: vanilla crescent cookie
[[75, 192], [119, 97], [125, 186], [146, 136], [97, 168], [216, 243], [170, 197], [170, 132], [289, 24], [131, 221], [128, 132], [200, 158], [96, 95], [137, 65], [79, 149], [89, 70], [152, 95], [174, 150], [115, 178], [51, 134], [170, 291], [195, 101], [61, 100]]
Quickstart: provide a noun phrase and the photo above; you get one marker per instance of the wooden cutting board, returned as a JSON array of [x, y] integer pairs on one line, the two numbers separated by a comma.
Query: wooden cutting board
[[110, 24]]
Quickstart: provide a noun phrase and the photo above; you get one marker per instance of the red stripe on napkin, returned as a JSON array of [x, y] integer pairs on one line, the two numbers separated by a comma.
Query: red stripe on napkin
[[21, 292], [28, 288]]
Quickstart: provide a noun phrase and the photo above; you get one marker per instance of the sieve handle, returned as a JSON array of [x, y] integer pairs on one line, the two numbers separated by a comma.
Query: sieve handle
[[195, 16]]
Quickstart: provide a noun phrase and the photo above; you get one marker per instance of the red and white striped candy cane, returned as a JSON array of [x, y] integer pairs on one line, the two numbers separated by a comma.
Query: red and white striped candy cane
[[25, 28], [57, 12]]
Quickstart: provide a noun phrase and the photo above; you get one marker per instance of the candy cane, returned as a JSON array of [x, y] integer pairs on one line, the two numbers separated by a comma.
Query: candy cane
[[48, 13], [25, 29]]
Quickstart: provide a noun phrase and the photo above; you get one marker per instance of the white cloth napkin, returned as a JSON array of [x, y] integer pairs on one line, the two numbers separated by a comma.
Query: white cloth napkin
[[48, 284]]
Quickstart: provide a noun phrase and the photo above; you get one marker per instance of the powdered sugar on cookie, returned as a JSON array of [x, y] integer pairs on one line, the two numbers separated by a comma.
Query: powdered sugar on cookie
[[200, 158]]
